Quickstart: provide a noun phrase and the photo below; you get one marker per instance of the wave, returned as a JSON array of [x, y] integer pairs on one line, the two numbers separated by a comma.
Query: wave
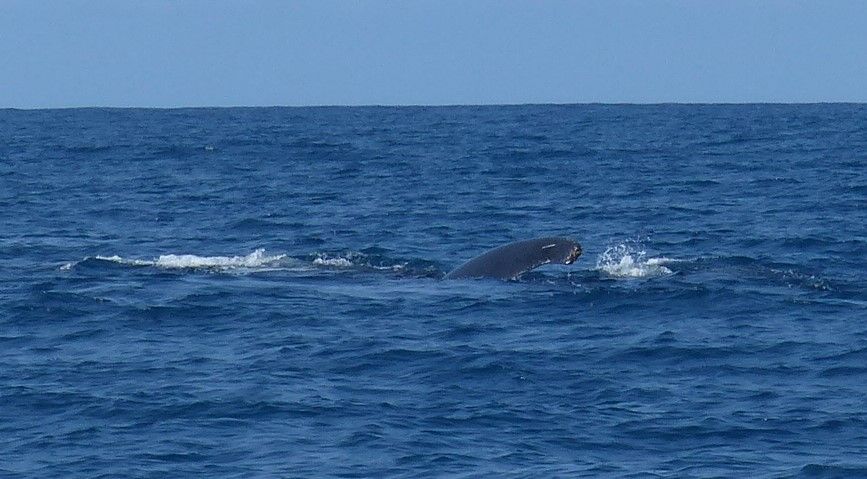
[[255, 260], [772, 271], [831, 470], [373, 260], [259, 260], [629, 260], [338, 262]]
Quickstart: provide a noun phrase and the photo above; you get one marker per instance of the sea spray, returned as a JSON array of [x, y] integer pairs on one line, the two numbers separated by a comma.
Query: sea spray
[[628, 259]]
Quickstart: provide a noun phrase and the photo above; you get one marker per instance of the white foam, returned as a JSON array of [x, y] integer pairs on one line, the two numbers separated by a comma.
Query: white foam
[[353, 259], [253, 260], [256, 259], [628, 260], [118, 259], [332, 262]]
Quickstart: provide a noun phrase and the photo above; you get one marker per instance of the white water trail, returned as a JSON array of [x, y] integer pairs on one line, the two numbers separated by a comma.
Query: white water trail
[[255, 260]]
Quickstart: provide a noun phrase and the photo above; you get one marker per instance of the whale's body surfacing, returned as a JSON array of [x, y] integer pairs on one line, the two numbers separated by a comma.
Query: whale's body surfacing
[[510, 261]]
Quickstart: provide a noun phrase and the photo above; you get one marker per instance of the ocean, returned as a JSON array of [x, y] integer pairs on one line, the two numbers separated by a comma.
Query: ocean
[[259, 292]]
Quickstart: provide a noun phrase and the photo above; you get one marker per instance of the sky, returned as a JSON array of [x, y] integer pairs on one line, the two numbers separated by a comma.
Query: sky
[[161, 53]]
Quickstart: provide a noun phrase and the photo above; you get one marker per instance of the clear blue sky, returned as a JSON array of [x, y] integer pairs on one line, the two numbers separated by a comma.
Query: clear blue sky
[[218, 53]]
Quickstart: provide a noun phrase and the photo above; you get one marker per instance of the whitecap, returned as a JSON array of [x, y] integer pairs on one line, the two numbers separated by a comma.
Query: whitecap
[[353, 259], [118, 259], [332, 262], [255, 260]]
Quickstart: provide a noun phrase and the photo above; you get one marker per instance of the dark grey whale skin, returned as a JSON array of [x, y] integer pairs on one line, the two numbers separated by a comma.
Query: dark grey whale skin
[[510, 261]]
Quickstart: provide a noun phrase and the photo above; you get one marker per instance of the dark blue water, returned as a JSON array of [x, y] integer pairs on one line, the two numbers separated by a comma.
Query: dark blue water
[[258, 292]]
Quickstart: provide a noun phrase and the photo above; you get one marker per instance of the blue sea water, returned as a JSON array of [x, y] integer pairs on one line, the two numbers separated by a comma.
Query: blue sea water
[[258, 292]]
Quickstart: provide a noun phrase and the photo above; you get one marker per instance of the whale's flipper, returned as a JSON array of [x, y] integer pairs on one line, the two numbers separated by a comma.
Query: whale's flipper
[[510, 261]]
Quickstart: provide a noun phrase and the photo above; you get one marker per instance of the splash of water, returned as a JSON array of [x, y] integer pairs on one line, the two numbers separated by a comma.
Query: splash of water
[[339, 262], [629, 260]]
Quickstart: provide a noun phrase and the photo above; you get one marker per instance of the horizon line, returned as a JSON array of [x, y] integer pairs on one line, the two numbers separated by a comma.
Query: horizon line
[[438, 105]]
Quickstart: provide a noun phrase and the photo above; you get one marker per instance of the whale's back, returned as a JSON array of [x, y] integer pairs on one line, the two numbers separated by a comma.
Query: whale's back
[[510, 261]]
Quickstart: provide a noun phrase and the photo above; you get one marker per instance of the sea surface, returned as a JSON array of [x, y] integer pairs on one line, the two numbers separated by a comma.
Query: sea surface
[[258, 292]]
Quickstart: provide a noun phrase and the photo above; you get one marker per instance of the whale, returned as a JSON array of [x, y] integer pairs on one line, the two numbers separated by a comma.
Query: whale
[[510, 261]]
